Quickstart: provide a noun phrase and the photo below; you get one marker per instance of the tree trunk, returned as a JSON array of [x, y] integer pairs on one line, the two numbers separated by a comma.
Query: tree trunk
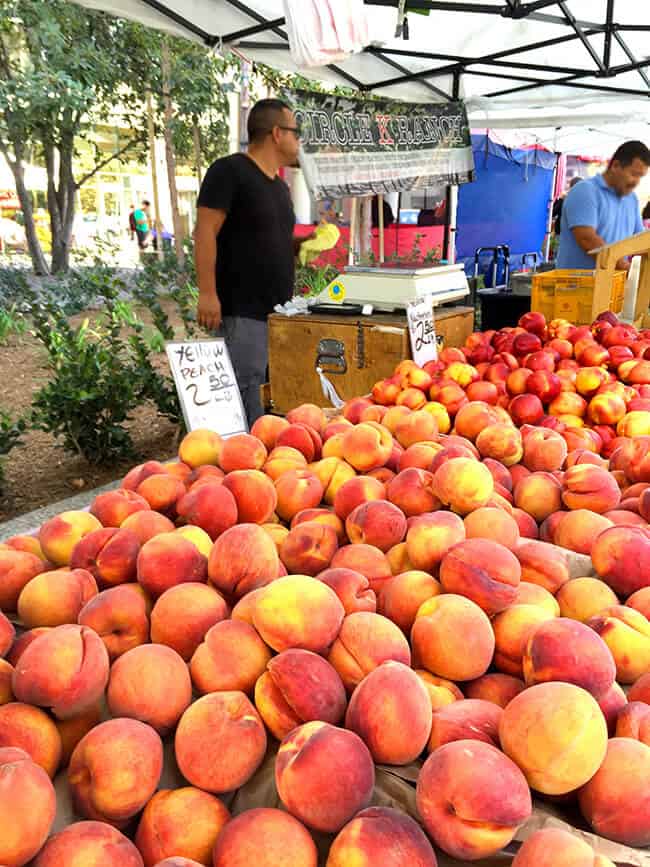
[[151, 133], [61, 202], [169, 150], [196, 138], [39, 263]]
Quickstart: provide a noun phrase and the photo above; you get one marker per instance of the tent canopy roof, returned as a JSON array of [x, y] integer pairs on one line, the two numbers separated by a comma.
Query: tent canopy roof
[[516, 63]]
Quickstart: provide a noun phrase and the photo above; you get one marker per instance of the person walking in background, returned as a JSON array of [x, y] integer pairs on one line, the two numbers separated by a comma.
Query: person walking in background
[[132, 224], [558, 205], [244, 246], [603, 209], [142, 224]]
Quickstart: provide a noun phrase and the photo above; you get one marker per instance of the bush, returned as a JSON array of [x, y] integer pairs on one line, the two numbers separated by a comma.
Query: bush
[[10, 435]]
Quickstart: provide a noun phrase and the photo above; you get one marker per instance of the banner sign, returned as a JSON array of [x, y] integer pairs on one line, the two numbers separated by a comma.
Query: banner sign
[[354, 147], [207, 386], [422, 330]]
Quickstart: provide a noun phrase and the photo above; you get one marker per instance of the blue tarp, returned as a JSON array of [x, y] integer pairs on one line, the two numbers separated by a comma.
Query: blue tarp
[[506, 204]]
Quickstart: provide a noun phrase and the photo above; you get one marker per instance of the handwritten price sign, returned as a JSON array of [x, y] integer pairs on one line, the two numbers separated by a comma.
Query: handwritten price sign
[[422, 330], [207, 386]]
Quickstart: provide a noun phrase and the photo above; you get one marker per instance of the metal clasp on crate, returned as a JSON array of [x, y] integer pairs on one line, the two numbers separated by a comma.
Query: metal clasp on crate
[[330, 356]]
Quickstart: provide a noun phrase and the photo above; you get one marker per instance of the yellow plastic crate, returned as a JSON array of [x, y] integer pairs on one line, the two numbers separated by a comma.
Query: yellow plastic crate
[[566, 294]]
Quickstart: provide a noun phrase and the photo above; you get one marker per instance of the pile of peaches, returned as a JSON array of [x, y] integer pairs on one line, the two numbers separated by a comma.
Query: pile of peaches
[[451, 575]]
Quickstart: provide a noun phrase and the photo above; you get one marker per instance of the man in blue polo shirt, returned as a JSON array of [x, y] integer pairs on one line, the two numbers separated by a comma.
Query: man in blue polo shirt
[[603, 209]]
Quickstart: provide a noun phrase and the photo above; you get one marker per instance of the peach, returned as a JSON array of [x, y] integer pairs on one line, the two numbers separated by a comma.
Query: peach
[[381, 835], [526, 524], [183, 614], [557, 735], [242, 559], [199, 447], [242, 452], [119, 617], [549, 526], [267, 429], [7, 634], [265, 837], [367, 560], [109, 554], [579, 529], [473, 719], [412, 492], [198, 537], [352, 589], [452, 638], [298, 611], [416, 427], [391, 711], [147, 524], [366, 446], [543, 564], [627, 634], [512, 630], [502, 442], [402, 597], [6, 675], [180, 471], [472, 418], [324, 775], [309, 548], [393, 416], [162, 491], [382, 474], [89, 843], [418, 455], [27, 806], [640, 601], [220, 742], [32, 730], [304, 439], [634, 424], [621, 557], [377, 523], [60, 534], [483, 571], [566, 650], [526, 408], [319, 516], [231, 657], [463, 484], [168, 692], [493, 524], [440, 414], [184, 822], [497, 688], [112, 508], [297, 490], [589, 487], [539, 494], [281, 460], [354, 492], [114, 770], [464, 812], [308, 414], [641, 689], [554, 847], [65, 669], [411, 397], [332, 473], [168, 560], [55, 598], [486, 392], [30, 544], [398, 559], [623, 518], [534, 594], [365, 641], [278, 532], [178, 861], [583, 598], [141, 472], [611, 704], [606, 408], [621, 779], [284, 698], [634, 722], [213, 506], [441, 692], [544, 450], [568, 403], [74, 729]]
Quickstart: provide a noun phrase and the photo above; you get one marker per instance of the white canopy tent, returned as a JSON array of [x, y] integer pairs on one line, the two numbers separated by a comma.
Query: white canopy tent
[[538, 64]]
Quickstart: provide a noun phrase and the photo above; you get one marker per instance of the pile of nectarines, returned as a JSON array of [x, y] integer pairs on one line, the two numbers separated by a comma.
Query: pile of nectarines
[[452, 574]]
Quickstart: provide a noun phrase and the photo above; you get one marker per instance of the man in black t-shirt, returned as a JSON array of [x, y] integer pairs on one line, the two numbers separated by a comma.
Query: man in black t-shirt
[[244, 246]]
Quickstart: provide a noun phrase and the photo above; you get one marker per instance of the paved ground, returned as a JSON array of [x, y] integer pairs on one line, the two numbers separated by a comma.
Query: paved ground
[[28, 523]]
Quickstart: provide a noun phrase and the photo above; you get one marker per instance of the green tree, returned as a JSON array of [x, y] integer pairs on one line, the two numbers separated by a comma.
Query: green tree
[[62, 71]]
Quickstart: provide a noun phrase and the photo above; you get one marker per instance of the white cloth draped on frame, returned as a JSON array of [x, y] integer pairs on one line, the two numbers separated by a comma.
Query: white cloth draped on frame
[[325, 31]]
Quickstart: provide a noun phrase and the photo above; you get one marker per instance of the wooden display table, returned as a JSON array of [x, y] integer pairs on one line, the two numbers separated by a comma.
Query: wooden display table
[[606, 259], [353, 352]]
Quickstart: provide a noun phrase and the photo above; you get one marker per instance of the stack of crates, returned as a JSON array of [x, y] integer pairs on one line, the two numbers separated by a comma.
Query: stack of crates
[[578, 296]]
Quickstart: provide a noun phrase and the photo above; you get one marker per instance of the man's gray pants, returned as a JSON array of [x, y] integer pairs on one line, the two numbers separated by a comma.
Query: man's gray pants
[[247, 342]]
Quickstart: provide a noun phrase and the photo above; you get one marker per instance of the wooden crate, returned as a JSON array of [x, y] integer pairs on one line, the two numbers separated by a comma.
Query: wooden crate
[[372, 347]]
